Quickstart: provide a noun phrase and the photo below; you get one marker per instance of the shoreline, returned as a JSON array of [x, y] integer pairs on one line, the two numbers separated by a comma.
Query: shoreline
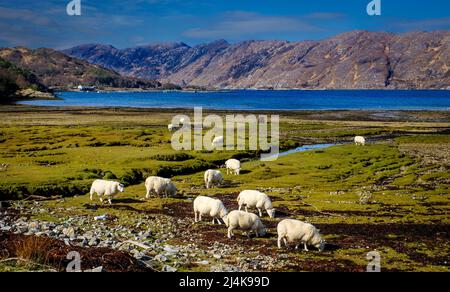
[[433, 116]]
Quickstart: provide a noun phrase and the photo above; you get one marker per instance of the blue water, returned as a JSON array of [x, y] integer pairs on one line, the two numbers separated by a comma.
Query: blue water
[[261, 100], [306, 148]]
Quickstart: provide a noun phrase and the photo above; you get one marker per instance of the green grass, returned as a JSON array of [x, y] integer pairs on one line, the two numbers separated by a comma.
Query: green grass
[[61, 154]]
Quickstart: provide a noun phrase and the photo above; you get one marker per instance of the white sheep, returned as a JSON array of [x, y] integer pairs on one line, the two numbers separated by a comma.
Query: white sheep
[[160, 186], [218, 142], [233, 166], [360, 141], [244, 221], [107, 189], [213, 178], [298, 232], [258, 200], [209, 206], [172, 127]]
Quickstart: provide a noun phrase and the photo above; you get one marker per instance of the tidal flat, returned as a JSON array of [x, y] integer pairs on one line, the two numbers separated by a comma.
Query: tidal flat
[[391, 196]]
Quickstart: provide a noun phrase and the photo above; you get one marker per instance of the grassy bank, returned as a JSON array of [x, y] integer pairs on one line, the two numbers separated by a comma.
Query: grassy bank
[[391, 195]]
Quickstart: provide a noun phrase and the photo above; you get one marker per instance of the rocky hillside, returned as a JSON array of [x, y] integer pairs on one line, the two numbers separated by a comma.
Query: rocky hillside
[[57, 70], [17, 83], [354, 60]]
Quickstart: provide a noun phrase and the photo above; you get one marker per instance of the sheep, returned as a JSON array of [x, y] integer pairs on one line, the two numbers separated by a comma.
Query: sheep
[[233, 166], [360, 141], [209, 206], [217, 142], [160, 186], [298, 232], [258, 200], [244, 221], [172, 127], [213, 178], [107, 189]]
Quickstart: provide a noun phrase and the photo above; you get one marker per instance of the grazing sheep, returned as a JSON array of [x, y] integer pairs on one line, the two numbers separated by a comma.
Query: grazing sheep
[[209, 206], [244, 221], [258, 200], [107, 189], [172, 127], [213, 178], [360, 141], [160, 186], [233, 166], [217, 142], [298, 232]]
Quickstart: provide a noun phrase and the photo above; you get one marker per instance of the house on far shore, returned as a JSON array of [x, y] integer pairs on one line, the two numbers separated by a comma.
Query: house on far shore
[[86, 88]]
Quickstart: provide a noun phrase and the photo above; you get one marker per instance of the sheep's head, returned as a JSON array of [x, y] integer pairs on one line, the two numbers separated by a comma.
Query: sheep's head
[[225, 220], [262, 231], [321, 245], [223, 212], [172, 190], [271, 213], [121, 188]]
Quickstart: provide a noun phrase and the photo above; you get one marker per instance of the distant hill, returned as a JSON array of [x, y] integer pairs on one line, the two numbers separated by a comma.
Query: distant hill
[[353, 60], [17, 83], [56, 70]]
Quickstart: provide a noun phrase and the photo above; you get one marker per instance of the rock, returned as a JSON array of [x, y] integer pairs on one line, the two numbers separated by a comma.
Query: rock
[[89, 235], [34, 94], [203, 263], [69, 232], [160, 258], [21, 229], [169, 269], [96, 270], [171, 250], [146, 235], [94, 241]]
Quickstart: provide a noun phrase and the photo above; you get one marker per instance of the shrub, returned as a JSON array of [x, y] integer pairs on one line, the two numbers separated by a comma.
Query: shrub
[[132, 177], [109, 175], [34, 249], [173, 157]]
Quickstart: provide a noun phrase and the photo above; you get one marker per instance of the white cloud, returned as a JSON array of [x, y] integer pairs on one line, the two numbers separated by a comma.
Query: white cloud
[[246, 24]]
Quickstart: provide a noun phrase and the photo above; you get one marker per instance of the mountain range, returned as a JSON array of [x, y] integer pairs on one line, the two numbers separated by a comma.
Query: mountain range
[[353, 60]]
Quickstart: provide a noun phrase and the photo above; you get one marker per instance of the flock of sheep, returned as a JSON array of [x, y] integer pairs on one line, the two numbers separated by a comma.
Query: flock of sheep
[[289, 230]]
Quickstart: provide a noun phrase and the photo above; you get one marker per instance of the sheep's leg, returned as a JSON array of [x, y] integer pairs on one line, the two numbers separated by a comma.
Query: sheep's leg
[[285, 242], [195, 215], [306, 246], [200, 217], [110, 201], [230, 232], [246, 209], [92, 195], [279, 242], [101, 200], [147, 195], [296, 247], [213, 221], [260, 212]]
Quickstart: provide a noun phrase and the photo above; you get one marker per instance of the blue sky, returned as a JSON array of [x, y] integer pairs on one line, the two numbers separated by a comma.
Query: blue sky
[[126, 23]]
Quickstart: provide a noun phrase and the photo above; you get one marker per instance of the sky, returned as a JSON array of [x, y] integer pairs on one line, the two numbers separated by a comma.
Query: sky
[[126, 23]]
